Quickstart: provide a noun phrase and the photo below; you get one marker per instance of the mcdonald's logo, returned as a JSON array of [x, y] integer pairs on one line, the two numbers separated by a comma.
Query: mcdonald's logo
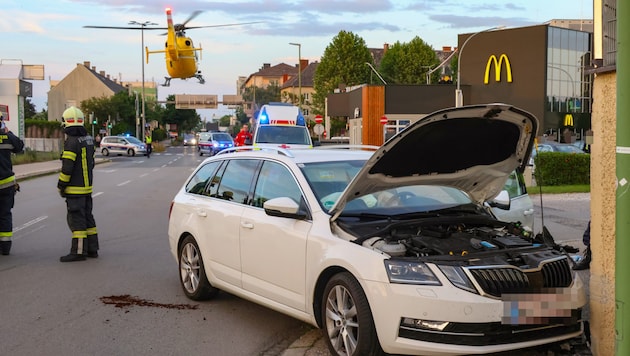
[[568, 120], [498, 64]]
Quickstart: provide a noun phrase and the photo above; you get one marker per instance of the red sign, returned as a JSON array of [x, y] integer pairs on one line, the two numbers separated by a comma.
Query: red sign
[[318, 119], [383, 119]]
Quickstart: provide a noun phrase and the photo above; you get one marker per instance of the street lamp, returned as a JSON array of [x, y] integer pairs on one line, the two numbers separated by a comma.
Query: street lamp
[[142, 26], [299, 46], [459, 97], [375, 71]]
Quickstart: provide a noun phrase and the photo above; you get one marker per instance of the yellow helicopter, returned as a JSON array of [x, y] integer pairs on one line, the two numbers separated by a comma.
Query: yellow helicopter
[[180, 54]]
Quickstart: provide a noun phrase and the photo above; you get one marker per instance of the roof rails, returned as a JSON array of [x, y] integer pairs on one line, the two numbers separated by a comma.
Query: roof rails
[[353, 147], [278, 150]]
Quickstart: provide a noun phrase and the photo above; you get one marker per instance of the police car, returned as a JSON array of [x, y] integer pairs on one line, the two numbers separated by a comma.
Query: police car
[[122, 145], [281, 125]]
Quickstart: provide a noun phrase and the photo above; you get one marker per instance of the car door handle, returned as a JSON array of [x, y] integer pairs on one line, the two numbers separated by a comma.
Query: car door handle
[[202, 213], [247, 225]]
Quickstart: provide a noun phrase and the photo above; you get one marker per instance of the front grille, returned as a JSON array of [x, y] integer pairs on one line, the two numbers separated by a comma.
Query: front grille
[[497, 280]]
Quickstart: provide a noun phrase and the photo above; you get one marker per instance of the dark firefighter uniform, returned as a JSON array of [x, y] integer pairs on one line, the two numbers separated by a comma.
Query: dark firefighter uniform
[[9, 143], [75, 184]]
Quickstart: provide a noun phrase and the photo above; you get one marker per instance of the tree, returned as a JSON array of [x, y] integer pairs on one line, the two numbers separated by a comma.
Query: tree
[[261, 96], [118, 109], [344, 62], [29, 109], [409, 63], [185, 119]]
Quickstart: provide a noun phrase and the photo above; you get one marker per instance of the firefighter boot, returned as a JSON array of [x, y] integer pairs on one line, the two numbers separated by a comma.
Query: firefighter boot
[[5, 247], [74, 255], [92, 246]]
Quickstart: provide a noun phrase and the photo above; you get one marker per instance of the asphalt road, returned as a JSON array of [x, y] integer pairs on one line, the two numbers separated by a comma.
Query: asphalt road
[[128, 301]]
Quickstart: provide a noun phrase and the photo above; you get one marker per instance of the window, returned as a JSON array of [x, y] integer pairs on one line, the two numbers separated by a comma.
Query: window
[[236, 181], [275, 181], [198, 182]]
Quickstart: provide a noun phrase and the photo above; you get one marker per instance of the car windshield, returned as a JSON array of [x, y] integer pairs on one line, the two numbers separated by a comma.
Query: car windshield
[[407, 199], [296, 135], [221, 137]]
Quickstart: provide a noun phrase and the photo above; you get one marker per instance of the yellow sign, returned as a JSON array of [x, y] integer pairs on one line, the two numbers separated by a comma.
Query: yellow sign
[[568, 120], [498, 64]]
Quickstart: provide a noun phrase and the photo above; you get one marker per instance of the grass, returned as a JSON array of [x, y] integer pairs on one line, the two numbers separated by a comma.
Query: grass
[[30, 156], [559, 189]]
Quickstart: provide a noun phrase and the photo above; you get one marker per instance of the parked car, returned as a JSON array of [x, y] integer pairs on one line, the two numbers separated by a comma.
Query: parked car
[[389, 251], [189, 140], [212, 142], [122, 145], [551, 146]]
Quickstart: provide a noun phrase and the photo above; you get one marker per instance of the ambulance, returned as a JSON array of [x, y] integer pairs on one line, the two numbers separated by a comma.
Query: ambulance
[[281, 125]]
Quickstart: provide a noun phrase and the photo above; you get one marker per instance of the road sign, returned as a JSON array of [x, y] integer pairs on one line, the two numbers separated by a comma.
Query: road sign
[[196, 101], [318, 119], [384, 119], [318, 129], [232, 100]]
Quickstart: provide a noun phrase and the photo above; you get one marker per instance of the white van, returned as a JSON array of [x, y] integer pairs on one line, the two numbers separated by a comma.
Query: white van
[[281, 125]]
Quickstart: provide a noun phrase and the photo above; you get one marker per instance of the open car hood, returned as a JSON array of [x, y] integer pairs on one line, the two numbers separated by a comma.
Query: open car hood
[[473, 148]]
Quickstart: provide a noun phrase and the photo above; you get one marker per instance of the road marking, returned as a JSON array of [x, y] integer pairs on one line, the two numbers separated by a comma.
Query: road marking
[[30, 223], [144, 175], [96, 194], [123, 183]]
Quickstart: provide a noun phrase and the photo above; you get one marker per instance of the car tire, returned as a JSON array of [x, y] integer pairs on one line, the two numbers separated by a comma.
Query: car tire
[[192, 274], [200, 153], [105, 152], [348, 324], [131, 152]]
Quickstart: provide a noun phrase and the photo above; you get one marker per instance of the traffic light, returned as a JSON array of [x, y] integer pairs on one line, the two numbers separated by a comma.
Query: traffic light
[[93, 118]]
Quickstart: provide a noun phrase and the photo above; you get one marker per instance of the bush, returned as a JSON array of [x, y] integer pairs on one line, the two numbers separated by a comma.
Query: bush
[[558, 168]]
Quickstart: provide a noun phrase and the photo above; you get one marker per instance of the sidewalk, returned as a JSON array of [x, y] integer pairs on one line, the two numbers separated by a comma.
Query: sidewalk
[[30, 170]]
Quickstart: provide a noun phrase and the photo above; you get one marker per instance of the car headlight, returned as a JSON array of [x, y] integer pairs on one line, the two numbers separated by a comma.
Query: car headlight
[[410, 272], [458, 277]]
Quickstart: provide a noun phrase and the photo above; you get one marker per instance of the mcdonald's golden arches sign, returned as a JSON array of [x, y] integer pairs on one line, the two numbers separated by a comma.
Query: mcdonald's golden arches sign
[[498, 65]]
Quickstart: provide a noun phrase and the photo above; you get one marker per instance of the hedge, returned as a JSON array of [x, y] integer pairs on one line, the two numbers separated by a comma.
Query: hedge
[[558, 168]]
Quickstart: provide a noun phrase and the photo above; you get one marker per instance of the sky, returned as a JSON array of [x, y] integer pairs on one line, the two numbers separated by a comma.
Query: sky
[[51, 33]]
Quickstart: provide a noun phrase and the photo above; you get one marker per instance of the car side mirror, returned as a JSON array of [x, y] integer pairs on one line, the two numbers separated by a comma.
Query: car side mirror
[[284, 207], [501, 201]]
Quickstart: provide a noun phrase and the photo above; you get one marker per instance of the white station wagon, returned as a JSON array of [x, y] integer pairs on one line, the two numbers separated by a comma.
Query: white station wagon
[[393, 251]]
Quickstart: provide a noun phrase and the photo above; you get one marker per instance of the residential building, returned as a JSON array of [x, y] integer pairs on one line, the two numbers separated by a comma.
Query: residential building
[[291, 89], [265, 76], [85, 82]]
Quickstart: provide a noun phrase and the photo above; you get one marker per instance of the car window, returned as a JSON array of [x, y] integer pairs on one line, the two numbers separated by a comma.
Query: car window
[[236, 180], [133, 140], [204, 136], [514, 186], [198, 182], [329, 179], [275, 181]]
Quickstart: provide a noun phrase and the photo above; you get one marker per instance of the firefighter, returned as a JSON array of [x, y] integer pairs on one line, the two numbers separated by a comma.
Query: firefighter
[[75, 185], [9, 143]]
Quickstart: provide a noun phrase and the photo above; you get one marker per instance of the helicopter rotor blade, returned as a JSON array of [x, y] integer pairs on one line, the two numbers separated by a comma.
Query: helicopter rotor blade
[[225, 25], [192, 16], [127, 27]]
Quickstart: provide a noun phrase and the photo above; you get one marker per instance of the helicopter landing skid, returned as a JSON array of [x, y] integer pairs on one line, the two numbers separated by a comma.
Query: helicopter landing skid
[[200, 78], [167, 81]]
